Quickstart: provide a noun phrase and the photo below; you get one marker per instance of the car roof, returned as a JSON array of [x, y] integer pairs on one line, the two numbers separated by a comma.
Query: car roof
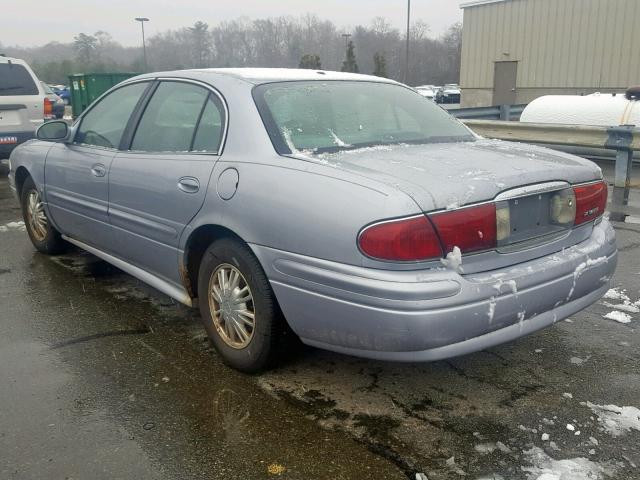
[[18, 61], [258, 76]]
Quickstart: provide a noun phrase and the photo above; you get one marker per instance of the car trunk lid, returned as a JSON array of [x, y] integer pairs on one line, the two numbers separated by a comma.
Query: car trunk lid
[[449, 176]]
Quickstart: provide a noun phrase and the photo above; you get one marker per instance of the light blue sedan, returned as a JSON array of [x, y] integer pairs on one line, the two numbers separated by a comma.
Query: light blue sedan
[[344, 210]]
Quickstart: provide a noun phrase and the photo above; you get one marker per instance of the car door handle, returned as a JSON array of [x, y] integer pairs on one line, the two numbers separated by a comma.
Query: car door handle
[[189, 184], [99, 170]]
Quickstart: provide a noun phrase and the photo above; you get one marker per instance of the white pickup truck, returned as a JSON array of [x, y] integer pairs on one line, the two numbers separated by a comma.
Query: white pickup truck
[[23, 104]]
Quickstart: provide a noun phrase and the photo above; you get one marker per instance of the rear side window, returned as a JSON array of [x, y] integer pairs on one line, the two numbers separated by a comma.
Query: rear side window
[[180, 117], [209, 133], [104, 124], [16, 80]]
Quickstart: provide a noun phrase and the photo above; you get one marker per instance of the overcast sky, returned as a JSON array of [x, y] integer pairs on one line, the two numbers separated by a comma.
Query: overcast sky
[[35, 22]]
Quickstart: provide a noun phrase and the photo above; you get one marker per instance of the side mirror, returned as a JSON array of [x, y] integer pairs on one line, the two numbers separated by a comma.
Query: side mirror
[[54, 131]]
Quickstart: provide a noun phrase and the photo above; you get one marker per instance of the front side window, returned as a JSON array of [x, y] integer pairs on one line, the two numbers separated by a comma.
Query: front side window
[[16, 80], [180, 117], [318, 117], [105, 123]]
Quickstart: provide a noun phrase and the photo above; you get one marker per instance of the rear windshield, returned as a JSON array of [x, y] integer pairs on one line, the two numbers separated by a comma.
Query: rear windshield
[[16, 80], [317, 117]]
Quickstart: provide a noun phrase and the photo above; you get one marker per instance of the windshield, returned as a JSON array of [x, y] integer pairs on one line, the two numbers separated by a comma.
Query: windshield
[[317, 117]]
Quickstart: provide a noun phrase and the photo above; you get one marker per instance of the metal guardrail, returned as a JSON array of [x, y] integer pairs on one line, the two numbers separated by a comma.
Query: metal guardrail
[[624, 140], [499, 112]]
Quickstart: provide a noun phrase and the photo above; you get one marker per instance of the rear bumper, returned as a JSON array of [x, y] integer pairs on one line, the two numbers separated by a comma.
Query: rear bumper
[[20, 137], [430, 315]]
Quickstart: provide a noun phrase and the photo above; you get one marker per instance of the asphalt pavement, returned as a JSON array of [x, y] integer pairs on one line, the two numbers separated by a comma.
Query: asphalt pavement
[[103, 377]]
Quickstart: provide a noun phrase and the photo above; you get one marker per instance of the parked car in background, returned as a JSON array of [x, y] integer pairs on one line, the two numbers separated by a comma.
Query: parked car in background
[[56, 102], [427, 91], [449, 94], [63, 92], [23, 104], [345, 209]]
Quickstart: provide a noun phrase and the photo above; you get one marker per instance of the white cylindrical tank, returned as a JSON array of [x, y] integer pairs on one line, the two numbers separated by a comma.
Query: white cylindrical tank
[[602, 109]]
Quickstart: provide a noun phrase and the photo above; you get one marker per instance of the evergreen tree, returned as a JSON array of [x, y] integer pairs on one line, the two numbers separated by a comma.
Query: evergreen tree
[[380, 63], [350, 65], [311, 62], [201, 44]]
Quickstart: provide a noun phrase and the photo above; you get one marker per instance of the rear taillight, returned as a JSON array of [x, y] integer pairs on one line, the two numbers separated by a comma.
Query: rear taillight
[[591, 201], [405, 240], [471, 229], [48, 109], [474, 229]]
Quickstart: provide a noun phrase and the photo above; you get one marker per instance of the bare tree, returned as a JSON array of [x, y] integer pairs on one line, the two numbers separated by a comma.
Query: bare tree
[[268, 42]]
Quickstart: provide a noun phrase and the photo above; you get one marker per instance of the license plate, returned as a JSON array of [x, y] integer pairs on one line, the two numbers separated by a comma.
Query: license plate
[[8, 140], [530, 218]]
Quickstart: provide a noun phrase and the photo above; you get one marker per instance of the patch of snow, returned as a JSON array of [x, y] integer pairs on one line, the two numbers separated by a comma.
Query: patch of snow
[[19, 225], [543, 467], [625, 307], [616, 294], [375, 148], [544, 437], [619, 317], [567, 395], [527, 429], [578, 360], [570, 427], [521, 316], [485, 448], [453, 260], [339, 142], [616, 420], [579, 270]]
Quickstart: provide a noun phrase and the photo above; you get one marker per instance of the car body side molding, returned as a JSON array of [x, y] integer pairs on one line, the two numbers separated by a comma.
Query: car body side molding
[[178, 293]]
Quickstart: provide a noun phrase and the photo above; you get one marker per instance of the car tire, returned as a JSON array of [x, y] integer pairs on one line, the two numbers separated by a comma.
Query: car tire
[[247, 344], [43, 235]]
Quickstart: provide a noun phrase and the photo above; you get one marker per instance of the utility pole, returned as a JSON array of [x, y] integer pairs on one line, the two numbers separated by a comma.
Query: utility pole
[[406, 65], [144, 47]]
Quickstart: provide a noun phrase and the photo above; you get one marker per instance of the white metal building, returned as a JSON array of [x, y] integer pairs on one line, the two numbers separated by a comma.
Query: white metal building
[[514, 51]]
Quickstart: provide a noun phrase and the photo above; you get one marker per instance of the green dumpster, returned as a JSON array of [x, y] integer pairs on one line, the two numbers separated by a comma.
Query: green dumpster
[[86, 87]]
